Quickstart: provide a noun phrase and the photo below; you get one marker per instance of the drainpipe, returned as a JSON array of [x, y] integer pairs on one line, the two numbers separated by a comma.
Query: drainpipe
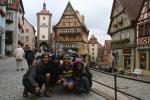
[[135, 35]]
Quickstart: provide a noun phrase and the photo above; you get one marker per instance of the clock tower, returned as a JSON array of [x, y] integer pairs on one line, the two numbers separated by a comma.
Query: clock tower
[[44, 28]]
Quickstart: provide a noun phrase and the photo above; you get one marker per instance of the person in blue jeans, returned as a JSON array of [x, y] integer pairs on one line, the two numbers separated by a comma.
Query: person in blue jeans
[[66, 78]]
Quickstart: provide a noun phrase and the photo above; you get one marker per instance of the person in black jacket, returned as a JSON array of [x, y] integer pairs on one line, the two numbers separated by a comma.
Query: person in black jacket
[[36, 76], [81, 77], [29, 56], [54, 68]]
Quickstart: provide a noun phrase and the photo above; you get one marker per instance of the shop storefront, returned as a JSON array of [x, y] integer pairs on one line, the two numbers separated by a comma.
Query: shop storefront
[[127, 58]]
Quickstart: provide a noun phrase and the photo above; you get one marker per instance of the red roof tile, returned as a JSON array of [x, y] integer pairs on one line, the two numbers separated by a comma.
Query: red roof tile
[[93, 40], [44, 11]]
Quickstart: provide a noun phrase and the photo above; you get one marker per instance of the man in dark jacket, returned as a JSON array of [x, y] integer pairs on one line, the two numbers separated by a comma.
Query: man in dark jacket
[[29, 56], [54, 68], [36, 76]]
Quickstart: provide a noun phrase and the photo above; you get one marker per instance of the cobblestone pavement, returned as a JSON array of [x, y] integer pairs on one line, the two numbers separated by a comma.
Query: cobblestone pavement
[[135, 88], [11, 85]]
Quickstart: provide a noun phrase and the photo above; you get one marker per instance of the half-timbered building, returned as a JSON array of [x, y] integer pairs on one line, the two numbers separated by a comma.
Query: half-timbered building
[[122, 30], [143, 38], [71, 32]]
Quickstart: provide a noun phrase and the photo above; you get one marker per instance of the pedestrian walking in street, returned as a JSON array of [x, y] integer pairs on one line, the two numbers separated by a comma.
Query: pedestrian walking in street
[[36, 76], [29, 56], [19, 55]]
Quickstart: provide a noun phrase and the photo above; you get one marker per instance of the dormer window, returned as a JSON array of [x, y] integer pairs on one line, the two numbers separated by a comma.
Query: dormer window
[[10, 2]]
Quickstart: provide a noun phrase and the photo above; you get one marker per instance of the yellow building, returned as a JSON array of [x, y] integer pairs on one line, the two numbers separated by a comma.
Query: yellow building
[[71, 32]]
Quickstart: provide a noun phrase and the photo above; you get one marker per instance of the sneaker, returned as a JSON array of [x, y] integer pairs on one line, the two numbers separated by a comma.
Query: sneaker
[[25, 94], [48, 94]]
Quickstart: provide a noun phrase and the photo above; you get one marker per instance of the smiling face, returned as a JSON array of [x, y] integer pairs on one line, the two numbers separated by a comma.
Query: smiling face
[[66, 61], [45, 59], [79, 66]]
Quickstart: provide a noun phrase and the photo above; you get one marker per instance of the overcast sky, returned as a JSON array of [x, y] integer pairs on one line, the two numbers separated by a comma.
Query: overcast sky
[[96, 12]]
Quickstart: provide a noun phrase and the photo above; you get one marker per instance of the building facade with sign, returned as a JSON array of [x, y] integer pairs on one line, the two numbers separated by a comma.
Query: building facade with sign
[[2, 27], [122, 29], [44, 28], [143, 39], [71, 32]]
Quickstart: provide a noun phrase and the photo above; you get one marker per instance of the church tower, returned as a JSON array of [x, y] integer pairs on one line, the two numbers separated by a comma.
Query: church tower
[[44, 28]]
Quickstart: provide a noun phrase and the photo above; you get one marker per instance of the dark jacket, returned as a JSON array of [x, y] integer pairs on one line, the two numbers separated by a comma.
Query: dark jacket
[[78, 74], [36, 74], [29, 55], [54, 70]]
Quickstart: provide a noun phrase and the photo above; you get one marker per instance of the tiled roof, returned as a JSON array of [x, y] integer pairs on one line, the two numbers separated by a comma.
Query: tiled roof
[[93, 40], [75, 12], [44, 11], [132, 8]]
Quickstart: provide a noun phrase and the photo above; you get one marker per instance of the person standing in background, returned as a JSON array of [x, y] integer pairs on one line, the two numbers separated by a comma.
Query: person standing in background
[[19, 54], [29, 56]]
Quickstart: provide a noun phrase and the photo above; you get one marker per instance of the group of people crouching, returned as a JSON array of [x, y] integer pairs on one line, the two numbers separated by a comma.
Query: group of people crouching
[[57, 70]]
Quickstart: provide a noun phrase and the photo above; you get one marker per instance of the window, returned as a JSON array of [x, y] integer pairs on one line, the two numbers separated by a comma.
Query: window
[[43, 36], [123, 36], [9, 16], [127, 35], [10, 1], [22, 31], [93, 53], [92, 44], [43, 18], [143, 60], [147, 29], [27, 30], [9, 38], [92, 49], [141, 30], [144, 30], [27, 38], [93, 58]]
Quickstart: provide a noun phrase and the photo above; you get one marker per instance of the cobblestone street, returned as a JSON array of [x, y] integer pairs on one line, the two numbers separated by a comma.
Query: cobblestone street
[[135, 88], [11, 85]]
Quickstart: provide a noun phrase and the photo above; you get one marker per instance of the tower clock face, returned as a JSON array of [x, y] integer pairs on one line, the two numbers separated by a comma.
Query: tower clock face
[[44, 25]]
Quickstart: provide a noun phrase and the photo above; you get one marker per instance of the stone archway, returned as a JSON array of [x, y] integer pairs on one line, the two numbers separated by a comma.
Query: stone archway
[[44, 46]]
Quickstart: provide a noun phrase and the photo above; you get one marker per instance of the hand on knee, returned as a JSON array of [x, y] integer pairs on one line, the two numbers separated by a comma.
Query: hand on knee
[[47, 76], [64, 84], [37, 91], [70, 86]]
